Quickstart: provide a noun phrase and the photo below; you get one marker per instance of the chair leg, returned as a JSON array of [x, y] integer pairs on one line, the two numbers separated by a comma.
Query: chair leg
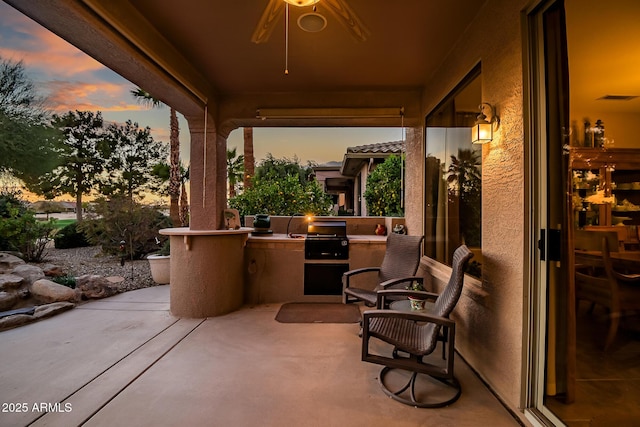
[[614, 322], [411, 384]]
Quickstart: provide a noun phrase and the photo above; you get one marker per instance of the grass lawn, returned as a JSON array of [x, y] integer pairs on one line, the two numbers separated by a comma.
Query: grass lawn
[[61, 223]]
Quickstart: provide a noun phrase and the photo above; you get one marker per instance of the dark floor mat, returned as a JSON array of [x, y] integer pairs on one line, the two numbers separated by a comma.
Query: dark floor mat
[[304, 312]]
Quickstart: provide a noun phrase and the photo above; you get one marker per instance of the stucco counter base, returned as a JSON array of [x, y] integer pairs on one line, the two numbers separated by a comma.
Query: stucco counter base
[[206, 271]]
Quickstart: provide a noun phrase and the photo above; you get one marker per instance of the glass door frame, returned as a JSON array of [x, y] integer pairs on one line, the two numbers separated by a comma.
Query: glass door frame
[[535, 356]]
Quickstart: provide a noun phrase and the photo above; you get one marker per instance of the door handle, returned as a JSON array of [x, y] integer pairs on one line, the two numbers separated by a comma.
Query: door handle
[[552, 250]]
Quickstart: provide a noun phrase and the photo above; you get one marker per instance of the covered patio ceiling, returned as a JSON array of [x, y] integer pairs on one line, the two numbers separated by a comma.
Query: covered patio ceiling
[[193, 53]]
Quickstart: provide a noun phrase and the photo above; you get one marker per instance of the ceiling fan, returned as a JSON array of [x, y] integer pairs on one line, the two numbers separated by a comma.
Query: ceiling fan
[[313, 21]]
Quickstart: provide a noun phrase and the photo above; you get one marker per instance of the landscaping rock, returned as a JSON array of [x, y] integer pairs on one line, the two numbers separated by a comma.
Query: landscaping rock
[[10, 281], [30, 273], [8, 262], [48, 310], [40, 312], [47, 291], [91, 286], [52, 270], [13, 321], [7, 300]]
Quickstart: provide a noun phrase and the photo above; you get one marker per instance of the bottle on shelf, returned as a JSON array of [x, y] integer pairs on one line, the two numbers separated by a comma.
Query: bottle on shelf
[[598, 134], [588, 133]]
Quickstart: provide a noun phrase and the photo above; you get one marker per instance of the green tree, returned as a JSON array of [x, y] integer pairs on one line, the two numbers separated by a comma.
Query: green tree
[[133, 154], [272, 168], [282, 187], [384, 188], [83, 151], [27, 142], [235, 171], [175, 176]]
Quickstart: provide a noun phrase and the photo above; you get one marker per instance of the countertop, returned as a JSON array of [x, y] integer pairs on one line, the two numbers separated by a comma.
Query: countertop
[[281, 238]]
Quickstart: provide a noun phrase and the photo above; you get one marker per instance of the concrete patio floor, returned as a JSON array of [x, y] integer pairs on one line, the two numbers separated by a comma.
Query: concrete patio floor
[[126, 361]]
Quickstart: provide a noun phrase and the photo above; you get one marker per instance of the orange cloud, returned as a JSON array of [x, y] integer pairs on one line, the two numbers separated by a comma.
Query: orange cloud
[[67, 95], [39, 48]]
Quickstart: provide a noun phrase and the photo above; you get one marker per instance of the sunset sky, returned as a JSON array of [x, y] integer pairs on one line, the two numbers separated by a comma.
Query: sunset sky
[[72, 80]]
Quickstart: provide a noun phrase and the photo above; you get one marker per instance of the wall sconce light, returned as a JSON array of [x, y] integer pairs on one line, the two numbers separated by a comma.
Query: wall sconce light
[[487, 120]]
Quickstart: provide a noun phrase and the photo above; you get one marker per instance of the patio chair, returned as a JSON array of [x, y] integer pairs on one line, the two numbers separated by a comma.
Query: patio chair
[[598, 282], [398, 269], [414, 337]]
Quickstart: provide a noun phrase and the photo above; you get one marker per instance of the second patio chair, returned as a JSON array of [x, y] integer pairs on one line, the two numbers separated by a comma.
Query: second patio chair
[[398, 269], [414, 337]]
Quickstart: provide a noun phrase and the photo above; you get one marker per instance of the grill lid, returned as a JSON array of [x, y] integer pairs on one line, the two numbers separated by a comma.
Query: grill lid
[[327, 229]]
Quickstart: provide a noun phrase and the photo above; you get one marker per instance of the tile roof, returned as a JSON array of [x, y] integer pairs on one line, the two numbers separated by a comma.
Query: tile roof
[[380, 147]]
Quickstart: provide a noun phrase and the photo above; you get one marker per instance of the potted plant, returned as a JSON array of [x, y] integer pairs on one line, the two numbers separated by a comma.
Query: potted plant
[[416, 302], [160, 264]]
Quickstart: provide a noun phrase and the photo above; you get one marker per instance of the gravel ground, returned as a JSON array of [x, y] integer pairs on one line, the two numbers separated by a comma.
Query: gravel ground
[[90, 260]]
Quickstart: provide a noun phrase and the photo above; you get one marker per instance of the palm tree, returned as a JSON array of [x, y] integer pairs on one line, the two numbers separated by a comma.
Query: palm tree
[[175, 177], [235, 170], [249, 162]]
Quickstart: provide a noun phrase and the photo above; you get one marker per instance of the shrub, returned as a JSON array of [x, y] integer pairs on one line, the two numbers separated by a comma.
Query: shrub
[[20, 230], [70, 237], [285, 196], [120, 219], [68, 281]]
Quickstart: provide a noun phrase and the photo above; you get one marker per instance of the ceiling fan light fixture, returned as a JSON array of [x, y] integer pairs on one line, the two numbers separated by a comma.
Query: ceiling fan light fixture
[[302, 3], [312, 22]]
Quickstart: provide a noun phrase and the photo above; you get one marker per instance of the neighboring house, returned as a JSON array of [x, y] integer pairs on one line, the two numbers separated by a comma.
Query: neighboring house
[[346, 181], [360, 161], [338, 186], [69, 206]]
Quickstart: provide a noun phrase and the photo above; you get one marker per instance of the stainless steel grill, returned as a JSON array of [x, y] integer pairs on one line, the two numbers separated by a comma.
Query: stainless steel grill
[[326, 240]]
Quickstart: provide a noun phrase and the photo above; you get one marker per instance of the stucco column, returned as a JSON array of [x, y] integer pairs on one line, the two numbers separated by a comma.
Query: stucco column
[[208, 174], [413, 197]]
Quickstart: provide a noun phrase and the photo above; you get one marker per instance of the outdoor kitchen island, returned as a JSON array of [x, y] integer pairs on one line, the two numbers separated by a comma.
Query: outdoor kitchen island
[[275, 268], [214, 272]]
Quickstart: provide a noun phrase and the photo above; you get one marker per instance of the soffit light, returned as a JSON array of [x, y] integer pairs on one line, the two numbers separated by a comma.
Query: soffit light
[[487, 121]]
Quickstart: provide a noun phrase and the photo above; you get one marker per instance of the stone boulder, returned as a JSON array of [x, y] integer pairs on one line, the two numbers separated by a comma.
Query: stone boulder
[[8, 262], [30, 273], [40, 312], [47, 291], [7, 300], [10, 281], [92, 287], [52, 270]]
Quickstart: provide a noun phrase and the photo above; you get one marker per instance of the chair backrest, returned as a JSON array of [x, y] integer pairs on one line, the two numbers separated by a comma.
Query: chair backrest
[[594, 276], [591, 239], [401, 258], [448, 299]]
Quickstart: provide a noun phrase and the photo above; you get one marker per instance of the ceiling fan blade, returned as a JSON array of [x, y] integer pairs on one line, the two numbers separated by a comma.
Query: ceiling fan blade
[[347, 17], [267, 21]]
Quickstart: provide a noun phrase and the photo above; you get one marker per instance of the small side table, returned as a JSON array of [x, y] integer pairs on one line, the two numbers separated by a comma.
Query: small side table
[[405, 305]]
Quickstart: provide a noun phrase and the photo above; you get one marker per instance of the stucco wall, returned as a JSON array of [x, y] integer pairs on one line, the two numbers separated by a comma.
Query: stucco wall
[[489, 334]]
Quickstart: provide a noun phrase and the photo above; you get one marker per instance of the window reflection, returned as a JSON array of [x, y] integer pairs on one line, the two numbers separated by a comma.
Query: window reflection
[[453, 176]]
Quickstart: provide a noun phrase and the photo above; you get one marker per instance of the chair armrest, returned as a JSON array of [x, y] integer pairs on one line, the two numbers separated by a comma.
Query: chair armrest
[[360, 270], [418, 317], [347, 275], [629, 278]]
